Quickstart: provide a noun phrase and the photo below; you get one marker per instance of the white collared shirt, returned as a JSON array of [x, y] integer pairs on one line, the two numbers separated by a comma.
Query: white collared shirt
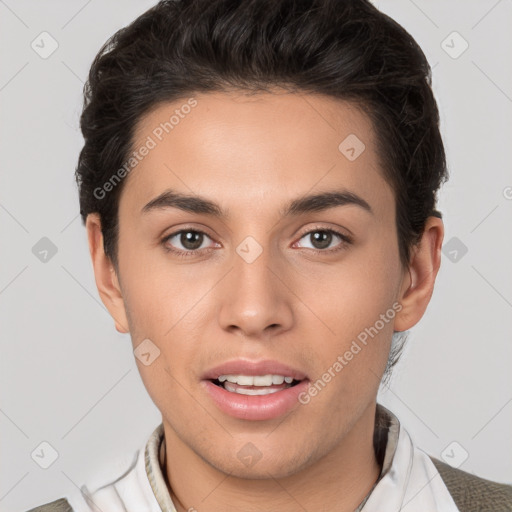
[[409, 481]]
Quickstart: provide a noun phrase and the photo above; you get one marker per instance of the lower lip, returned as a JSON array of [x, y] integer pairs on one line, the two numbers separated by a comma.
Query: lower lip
[[254, 407]]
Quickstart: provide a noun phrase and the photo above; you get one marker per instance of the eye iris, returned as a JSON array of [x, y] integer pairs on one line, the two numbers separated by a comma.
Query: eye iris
[[324, 239], [191, 240]]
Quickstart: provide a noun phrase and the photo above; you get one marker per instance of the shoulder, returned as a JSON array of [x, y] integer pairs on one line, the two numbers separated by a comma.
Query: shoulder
[[472, 493], [60, 505], [103, 483], [116, 484]]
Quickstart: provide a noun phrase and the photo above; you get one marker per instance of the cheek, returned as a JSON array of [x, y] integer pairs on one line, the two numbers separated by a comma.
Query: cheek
[[160, 296], [171, 309], [358, 306], [352, 297]]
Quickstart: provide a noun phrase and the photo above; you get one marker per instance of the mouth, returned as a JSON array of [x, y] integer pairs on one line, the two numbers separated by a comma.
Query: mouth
[[255, 390]]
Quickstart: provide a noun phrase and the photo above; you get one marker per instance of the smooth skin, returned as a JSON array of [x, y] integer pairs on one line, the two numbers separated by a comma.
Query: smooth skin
[[301, 302]]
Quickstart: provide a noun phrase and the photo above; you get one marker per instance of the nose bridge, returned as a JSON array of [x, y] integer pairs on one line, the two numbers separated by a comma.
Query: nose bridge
[[254, 298]]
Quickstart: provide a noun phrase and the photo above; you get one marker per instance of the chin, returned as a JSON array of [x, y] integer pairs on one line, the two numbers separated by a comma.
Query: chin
[[252, 464]]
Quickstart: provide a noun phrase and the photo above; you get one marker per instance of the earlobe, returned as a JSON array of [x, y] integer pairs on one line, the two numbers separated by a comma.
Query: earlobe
[[418, 285], [105, 274]]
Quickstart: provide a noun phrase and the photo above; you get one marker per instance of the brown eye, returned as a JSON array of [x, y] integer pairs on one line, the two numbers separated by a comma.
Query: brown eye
[[185, 241], [321, 239], [324, 240], [191, 240]]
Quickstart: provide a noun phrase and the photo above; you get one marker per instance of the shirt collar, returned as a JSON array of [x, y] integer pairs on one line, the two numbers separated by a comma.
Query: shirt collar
[[155, 468], [385, 440]]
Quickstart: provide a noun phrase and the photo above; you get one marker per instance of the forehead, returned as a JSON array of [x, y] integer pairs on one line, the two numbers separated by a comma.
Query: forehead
[[255, 148]]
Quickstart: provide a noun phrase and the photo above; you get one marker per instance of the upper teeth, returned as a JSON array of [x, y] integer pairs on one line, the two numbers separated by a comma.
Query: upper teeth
[[256, 380]]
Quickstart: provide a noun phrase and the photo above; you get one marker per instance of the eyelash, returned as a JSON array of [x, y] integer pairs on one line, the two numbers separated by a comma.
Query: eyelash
[[346, 240]]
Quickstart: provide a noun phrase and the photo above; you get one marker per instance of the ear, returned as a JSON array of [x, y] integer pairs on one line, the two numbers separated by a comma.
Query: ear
[[418, 285], [105, 274]]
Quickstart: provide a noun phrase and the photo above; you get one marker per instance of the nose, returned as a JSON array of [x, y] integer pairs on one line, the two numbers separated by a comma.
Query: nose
[[255, 298]]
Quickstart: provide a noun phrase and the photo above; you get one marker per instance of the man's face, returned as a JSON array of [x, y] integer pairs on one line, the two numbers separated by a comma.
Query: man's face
[[258, 285]]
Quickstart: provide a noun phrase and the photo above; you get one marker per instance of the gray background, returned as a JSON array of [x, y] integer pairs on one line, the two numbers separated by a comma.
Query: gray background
[[68, 378]]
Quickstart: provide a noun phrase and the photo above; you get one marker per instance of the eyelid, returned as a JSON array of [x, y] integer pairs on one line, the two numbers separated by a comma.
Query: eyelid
[[337, 230]]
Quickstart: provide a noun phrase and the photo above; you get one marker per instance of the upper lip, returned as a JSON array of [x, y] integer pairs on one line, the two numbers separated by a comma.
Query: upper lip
[[248, 367]]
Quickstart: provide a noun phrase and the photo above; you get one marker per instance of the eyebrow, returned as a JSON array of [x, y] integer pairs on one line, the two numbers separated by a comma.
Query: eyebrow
[[310, 203]]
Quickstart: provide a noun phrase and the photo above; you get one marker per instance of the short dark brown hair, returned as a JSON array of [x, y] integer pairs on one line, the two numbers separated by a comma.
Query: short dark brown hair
[[345, 49]]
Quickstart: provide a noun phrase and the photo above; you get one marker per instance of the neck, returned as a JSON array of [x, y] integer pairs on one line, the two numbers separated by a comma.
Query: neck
[[338, 481]]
